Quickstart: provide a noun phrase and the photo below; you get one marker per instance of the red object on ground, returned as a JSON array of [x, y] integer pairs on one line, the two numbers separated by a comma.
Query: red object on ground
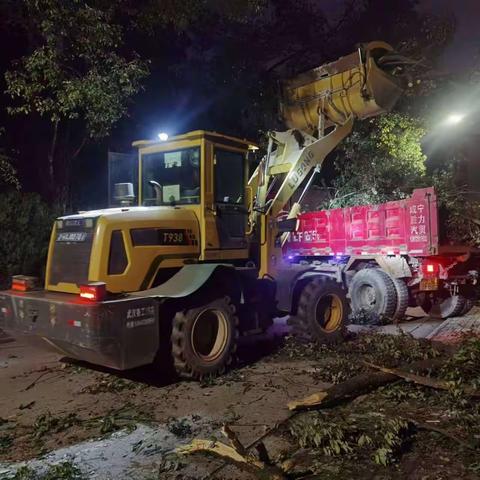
[[408, 226]]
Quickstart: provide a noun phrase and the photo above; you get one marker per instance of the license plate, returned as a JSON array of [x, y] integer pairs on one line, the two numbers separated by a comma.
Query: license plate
[[429, 284], [71, 237], [74, 222]]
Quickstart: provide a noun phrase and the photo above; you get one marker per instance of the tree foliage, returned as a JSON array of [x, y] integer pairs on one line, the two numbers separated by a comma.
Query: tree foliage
[[26, 222], [8, 174], [75, 76], [459, 208], [183, 14], [76, 70], [214, 64], [381, 160]]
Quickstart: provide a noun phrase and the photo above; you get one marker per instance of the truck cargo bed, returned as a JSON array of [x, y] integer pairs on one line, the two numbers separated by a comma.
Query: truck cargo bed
[[408, 226]]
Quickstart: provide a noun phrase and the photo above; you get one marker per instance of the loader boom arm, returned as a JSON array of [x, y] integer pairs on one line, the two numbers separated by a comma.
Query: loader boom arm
[[320, 107]]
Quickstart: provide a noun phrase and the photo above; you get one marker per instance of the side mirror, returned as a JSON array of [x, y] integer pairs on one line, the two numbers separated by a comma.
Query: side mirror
[[123, 193]]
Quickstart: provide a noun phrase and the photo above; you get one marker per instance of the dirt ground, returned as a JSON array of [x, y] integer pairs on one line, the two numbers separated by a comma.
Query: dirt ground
[[36, 382], [119, 426]]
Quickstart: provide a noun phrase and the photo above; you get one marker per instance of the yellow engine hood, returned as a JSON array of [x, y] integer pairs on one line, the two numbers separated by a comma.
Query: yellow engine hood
[[154, 238]]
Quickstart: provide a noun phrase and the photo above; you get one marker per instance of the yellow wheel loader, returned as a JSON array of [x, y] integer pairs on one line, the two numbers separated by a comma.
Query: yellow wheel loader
[[191, 258]]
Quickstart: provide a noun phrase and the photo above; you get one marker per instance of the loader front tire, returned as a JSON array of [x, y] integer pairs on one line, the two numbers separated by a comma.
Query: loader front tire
[[322, 313], [204, 339]]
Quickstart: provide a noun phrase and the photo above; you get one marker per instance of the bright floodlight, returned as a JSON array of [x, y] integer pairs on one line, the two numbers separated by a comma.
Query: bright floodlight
[[455, 118], [163, 136]]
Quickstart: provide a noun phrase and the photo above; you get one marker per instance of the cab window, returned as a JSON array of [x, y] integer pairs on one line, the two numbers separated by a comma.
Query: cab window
[[229, 177], [171, 178]]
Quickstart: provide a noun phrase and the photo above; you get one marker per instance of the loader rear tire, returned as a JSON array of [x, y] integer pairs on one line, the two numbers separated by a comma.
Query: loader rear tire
[[373, 292], [204, 339], [322, 313]]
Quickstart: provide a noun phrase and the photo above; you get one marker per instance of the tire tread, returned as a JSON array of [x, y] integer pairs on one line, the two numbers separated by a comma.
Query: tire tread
[[178, 341], [301, 322]]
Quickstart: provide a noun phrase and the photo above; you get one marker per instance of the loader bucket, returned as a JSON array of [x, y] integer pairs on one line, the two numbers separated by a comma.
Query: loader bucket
[[353, 85]]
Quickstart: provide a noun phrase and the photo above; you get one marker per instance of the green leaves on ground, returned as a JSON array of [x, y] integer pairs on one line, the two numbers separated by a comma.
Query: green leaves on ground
[[380, 438], [340, 362], [47, 423], [6, 442], [60, 471]]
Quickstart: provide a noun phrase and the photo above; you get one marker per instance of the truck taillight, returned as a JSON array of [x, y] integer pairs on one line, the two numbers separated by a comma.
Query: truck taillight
[[94, 292], [430, 269]]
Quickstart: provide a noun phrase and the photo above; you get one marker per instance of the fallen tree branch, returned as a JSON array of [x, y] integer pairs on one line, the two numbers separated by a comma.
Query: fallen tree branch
[[263, 455], [421, 380], [236, 443], [442, 431], [348, 390], [229, 454], [31, 385], [255, 442], [357, 385]]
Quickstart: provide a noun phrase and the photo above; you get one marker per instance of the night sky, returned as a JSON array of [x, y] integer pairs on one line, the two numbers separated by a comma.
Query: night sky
[[459, 56], [465, 48], [157, 109]]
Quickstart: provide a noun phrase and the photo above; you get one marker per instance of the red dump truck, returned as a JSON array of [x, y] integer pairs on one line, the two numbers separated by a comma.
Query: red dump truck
[[389, 256]]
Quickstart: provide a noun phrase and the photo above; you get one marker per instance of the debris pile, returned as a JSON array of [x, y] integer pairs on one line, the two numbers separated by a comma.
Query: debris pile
[[393, 398]]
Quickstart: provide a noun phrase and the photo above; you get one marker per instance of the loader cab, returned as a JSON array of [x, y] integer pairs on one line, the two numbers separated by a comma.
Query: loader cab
[[205, 172]]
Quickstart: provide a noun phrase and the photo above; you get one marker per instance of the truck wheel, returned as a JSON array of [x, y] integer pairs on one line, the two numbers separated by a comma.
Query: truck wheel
[[204, 339], [469, 304], [445, 308], [373, 292], [322, 313], [402, 298]]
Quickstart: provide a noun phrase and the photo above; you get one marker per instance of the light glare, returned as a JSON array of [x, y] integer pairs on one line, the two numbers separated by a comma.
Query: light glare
[[163, 136], [455, 118]]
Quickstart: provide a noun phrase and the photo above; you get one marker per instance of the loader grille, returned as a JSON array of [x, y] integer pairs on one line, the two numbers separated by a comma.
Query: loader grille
[[70, 260]]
